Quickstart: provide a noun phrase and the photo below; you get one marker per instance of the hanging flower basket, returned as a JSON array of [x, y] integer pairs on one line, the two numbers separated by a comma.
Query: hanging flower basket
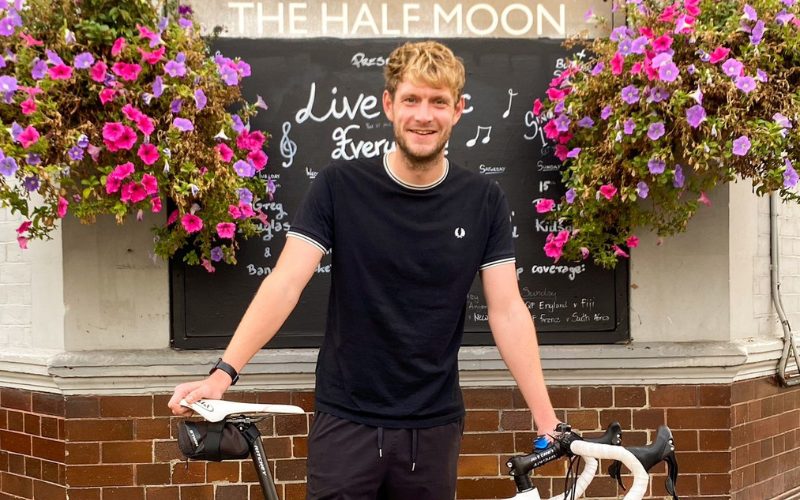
[[684, 97], [111, 108]]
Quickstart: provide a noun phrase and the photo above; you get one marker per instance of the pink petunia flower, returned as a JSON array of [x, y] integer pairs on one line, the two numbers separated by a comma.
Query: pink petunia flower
[[632, 241], [118, 47], [544, 205], [122, 171], [28, 106], [537, 107], [191, 223], [22, 242], [155, 205], [60, 72], [24, 227], [226, 229], [152, 57], [133, 192], [107, 95], [62, 206], [117, 136], [234, 211], [608, 191], [145, 124], [148, 153], [113, 184], [704, 199], [28, 137], [617, 63], [150, 184], [719, 54], [258, 158], [619, 252], [131, 112], [246, 209], [98, 72], [127, 71], [225, 153]]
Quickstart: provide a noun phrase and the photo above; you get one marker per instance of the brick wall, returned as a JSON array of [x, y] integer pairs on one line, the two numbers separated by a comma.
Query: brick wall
[[738, 441]]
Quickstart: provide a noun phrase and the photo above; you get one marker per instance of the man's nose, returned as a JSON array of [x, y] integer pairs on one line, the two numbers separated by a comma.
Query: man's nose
[[424, 112]]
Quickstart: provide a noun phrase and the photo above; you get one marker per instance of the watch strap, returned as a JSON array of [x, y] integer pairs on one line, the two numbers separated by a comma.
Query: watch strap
[[231, 371]]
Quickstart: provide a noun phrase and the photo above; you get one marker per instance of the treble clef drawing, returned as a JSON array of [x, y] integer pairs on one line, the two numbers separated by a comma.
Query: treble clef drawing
[[288, 146]]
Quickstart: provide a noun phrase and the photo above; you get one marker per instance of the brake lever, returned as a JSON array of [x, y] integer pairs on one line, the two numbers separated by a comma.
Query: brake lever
[[663, 448]]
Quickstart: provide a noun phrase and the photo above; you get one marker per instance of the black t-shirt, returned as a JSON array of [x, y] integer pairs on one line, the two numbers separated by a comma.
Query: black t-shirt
[[403, 260]]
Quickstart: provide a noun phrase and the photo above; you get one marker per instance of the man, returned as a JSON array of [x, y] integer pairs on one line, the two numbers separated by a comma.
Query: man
[[408, 233]]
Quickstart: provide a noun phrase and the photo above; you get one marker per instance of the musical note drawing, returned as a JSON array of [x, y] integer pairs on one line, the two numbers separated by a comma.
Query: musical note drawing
[[511, 95], [288, 146], [485, 140]]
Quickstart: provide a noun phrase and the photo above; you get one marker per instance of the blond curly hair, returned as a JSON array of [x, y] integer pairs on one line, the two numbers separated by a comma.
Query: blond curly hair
[[428, 62]]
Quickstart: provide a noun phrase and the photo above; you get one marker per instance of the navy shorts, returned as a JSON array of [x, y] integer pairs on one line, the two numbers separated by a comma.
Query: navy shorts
[[351, 461]]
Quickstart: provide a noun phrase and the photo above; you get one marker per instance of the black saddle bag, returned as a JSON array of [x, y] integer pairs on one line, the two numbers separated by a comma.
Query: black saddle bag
[[214, 441]]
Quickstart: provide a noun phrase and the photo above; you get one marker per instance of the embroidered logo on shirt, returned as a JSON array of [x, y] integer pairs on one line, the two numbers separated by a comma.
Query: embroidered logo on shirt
[[460, 232]]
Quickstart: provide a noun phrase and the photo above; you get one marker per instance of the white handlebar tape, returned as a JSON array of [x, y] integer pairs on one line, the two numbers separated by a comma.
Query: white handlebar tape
[[604, 451]]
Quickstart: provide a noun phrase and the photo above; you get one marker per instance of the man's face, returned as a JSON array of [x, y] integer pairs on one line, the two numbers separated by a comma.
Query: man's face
[[423, 119]]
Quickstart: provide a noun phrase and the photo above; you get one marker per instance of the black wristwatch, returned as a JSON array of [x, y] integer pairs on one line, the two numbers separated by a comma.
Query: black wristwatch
[[231, 371]]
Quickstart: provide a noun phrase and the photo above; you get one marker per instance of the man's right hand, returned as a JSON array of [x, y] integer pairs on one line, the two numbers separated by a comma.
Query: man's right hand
[[212, 387]]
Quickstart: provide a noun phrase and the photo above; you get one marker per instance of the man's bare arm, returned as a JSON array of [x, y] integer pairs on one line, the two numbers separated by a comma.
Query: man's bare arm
[[515, 337], [276, 298]]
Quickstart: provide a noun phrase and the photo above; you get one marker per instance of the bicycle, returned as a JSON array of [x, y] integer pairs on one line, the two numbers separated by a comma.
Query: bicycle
[[565, 443]]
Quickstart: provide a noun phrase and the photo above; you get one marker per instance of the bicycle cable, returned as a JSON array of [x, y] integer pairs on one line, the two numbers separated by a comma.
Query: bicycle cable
[[571, 478]]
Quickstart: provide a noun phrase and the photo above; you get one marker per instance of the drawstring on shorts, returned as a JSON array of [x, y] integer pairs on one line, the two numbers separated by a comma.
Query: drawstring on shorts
[[414, 446]]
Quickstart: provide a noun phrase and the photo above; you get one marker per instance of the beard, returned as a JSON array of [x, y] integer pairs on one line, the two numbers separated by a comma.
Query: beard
[[418, 161]]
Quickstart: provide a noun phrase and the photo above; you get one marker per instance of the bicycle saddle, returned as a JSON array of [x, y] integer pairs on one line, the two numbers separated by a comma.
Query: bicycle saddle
[[216, 410]]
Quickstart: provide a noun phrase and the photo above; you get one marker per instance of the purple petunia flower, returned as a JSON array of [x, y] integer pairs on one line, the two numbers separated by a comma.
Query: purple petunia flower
[[562, 123], [163, 22], [83, 60], [619, 33], [573, 153], [184, 10], [749, 13], [668, 72], [741, 146], [782, 120], [216, 254], [656, 166], [655, 130], [175, 105], [53, 58], [629, 126], [678, 179], [200, 99], [630, 94], [745, 83], [784, 17], [642, 189], [8, 84], [624, 47], [691, 69], [185, 23], [570, 196], [639, 45], [7, 27], [788, 3], [758, 33], [83, 141], [243, 68], [8, 166], [175, 69], [789, 175], [183, 124], [586, 122], [559, 107], [696, 115], [228, 75], [39, 69], [598, 68], [606, 112], [658, 94], [31, 183], [662, 59], [33, 159], [16, 129], [244, 169], [761, 76], [75, 153], [237, 126], [732, 67], [245, 196], [158, 86]]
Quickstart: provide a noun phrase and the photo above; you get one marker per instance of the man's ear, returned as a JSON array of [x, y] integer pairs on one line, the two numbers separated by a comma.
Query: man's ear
[[459, 109], [387, 105]]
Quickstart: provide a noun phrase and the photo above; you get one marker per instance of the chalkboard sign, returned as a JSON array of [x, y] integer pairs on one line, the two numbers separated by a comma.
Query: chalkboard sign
[[324, 98]]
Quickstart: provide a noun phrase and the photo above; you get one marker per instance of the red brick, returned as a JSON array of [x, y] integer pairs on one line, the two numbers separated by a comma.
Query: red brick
[[161, 493], [82, 407], [126, 406], [673, 396], [291, 425], [165, 451], [222, 471], [82, 453], [489, 442], [715, 440], [47, 404], [516, 420], [477, 465], [33, 424], [15, 421], [699, 418], [597, 397], [15, 398], [232, 492], [50, 427], [15, 442], [624, 417], [686, 440], [300, 446], [126, 493], [160, 408], [85, 493], [92, 429], [278, 447], [274, 397], [564, 397], [583, 420], [188, 472], [705, 462], [292, 491], [33, 468], [155, 474], [99, 475], [630, 397], [304, 400], [485, 488], [49, 491], [17, 485], [49, 449], [152, 428], [488, 398], [482, 420], [290, 470], [127, 452], [205, 492]]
